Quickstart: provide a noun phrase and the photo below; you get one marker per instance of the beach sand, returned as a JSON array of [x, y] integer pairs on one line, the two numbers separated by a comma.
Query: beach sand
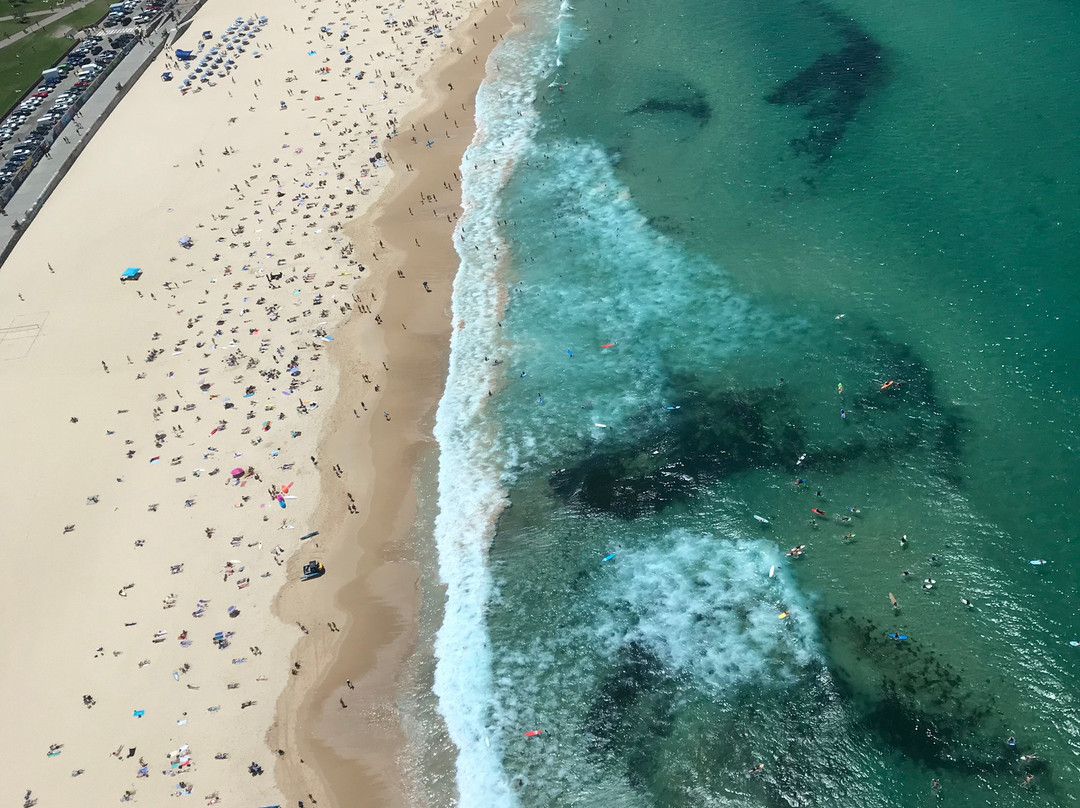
[[137, 574]]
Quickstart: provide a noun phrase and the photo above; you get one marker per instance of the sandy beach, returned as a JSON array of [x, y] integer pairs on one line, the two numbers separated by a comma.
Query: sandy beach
[[171, 441]]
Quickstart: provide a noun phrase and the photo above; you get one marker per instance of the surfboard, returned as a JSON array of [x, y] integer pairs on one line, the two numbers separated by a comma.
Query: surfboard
[[761, 519]]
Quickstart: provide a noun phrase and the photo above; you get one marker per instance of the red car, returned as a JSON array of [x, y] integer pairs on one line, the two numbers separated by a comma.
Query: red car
[[41, 94], [82, 83]]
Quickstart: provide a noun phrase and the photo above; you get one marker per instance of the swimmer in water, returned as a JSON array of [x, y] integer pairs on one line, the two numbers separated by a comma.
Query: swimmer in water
[[849, 536], [903, 540], [1012, 741], [1028, 757], [758, 769], [842, 413], [854, 510], [929, 583], [966, 602]]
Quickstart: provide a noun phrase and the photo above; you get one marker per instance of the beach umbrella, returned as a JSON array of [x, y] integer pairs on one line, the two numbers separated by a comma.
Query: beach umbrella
[[237, 472]]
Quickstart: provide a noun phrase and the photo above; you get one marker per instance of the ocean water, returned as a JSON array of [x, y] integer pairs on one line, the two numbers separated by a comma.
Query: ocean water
[[723, 260]]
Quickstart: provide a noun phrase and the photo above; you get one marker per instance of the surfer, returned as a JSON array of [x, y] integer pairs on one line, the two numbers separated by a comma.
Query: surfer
[[849, 535], [843, 414], [903, 541], [795, 552], [966, 602], [854, 510], [894, 601], [818, 512]]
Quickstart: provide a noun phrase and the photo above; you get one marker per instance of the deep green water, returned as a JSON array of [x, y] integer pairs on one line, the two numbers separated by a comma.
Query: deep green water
[[757, 203]]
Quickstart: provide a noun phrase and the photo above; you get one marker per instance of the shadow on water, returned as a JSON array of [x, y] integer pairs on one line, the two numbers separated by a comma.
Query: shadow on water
[[834, 87], [721, 431]]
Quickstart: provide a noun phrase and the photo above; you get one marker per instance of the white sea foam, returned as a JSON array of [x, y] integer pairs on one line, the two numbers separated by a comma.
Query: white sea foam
[[470, 495], [707, 608], [595, 272]]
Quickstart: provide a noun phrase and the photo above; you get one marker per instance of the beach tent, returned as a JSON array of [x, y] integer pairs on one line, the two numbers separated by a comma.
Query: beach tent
[[186, 242], [184, 55], [131, 274], [166, 76]]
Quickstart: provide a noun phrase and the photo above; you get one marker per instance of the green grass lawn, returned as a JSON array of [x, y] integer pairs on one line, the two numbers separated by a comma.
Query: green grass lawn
[[21, 63], [17, 7]]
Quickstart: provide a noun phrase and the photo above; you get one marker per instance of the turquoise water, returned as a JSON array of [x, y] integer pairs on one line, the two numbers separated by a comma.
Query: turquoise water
[[830, 251]]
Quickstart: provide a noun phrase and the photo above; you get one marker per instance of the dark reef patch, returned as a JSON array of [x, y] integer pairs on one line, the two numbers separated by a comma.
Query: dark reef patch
[[697, 108], [916, 704], [720, 432], [637, 701], [833, 88]]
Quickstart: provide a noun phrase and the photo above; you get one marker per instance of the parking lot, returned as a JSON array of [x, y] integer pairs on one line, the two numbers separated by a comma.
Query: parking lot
[[28, 131]]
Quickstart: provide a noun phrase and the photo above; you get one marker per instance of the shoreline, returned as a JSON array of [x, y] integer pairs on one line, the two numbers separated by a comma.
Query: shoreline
[[360, 749]]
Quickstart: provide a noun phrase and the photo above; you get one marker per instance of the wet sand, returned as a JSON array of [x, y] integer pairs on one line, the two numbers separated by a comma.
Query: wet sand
[[360, 750]]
